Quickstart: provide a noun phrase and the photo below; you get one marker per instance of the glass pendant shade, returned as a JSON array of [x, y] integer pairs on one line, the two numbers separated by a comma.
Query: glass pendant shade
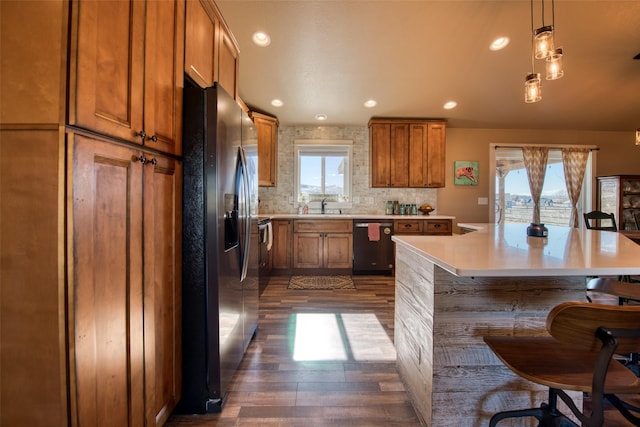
[[554, 65], [543, 41], [532, 88]]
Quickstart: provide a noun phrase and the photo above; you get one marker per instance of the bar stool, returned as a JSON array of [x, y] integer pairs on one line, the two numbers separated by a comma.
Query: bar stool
[[576, 356]]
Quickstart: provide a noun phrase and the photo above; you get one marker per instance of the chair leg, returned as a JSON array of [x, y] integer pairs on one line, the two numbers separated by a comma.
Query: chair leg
[[547, 414], [624, 408], [531, 412]]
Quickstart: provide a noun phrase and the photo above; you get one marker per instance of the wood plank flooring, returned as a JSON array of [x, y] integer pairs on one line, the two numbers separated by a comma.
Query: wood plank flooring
[[338, 370], [322, 358]]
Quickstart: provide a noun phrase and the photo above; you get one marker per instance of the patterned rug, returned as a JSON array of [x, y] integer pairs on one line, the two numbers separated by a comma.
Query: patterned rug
[[321, 282]]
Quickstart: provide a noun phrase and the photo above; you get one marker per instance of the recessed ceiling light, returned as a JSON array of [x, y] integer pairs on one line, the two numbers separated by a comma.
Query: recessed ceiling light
[[370, 103], [499, 43], [261, 39], [277, 103], [450, 105], [321, 117]]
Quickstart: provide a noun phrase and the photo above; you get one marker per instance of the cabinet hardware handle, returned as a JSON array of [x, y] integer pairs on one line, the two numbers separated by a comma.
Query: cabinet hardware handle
[[153, 162], [142, 135], [153, 138], [142, 159]]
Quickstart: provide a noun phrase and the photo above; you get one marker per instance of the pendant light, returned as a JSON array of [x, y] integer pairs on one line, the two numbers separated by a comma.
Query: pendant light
[[532, 86], [554, 65], [543, 36], [638, 136]]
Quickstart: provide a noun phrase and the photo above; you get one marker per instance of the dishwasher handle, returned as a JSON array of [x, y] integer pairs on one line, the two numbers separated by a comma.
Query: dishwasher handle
[[366, 224]]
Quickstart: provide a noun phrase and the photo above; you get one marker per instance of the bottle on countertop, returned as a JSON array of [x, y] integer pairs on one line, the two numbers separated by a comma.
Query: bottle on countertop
[[388, 210], [396, 207]]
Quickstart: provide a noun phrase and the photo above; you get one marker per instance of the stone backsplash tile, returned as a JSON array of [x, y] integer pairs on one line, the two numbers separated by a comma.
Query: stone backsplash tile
[[365, 200]]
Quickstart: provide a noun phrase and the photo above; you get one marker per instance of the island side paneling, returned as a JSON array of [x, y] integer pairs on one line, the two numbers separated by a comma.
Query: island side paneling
[[452, 375]]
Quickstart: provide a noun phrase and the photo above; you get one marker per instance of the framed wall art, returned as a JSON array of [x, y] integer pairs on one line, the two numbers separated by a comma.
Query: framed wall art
[[465, 172]]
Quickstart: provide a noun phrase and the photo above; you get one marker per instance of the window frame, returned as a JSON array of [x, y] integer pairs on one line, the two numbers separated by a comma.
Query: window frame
[[586, 195], [325, 146]]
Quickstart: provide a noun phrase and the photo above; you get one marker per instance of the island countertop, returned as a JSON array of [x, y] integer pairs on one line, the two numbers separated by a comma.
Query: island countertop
[[505, 250]]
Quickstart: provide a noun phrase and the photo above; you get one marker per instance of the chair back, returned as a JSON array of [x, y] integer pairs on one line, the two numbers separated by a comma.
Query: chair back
[[576, 323], [594, 221]]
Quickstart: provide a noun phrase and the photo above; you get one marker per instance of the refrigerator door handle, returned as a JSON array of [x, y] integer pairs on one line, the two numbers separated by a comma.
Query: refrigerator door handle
[[246, 212]]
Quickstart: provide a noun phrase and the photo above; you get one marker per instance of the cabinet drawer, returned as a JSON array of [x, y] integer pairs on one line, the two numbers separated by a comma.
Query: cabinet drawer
[[322, 225], [437, 227], [407, 226]]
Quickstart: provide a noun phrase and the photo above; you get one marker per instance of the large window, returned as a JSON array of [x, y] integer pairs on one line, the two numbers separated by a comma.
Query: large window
[[323, 170], [512, 196]]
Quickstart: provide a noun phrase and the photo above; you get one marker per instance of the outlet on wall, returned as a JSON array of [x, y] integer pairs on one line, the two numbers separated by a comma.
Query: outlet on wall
[[483, 200]]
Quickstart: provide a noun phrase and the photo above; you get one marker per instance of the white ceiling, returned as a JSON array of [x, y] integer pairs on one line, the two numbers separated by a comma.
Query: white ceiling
[[412, 56]]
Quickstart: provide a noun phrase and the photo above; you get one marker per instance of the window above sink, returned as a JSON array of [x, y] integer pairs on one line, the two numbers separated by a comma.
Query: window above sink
[[323, 173]]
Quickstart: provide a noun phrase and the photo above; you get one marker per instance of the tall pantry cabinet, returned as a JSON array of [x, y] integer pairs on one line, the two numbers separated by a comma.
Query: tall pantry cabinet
[[91, 200]]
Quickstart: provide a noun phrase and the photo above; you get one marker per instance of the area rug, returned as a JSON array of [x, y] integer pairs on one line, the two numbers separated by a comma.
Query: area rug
[[321, 282]]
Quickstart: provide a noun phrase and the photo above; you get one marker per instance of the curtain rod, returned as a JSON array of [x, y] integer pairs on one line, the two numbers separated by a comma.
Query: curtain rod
[[549, 146]]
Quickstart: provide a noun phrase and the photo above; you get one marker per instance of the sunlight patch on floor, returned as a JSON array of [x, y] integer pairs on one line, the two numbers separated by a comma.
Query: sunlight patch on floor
[[341, 337]]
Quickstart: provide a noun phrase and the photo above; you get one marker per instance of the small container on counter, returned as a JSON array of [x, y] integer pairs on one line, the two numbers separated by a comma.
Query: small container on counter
[[388, 210]]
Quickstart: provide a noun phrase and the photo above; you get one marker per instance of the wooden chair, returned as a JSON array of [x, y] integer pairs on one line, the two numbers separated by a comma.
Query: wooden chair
[[622, 289], [576, 356], [593, 220]]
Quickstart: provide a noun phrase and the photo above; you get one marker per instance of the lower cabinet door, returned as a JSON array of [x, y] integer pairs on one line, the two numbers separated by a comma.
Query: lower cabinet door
[[307, 250], [106, 301], [338, 250], [162, 291]]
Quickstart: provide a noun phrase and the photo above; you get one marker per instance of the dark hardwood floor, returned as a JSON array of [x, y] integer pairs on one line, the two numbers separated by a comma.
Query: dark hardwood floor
[[322, 358]]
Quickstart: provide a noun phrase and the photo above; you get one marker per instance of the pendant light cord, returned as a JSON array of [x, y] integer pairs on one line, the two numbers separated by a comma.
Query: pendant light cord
[[532, 40]]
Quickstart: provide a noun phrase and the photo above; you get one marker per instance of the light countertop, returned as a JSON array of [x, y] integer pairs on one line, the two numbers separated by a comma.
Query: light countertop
[[354, 216], [505, 250]]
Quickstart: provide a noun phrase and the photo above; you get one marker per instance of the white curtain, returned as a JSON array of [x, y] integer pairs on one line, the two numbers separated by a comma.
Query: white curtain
[[574, 162], [535, 162]]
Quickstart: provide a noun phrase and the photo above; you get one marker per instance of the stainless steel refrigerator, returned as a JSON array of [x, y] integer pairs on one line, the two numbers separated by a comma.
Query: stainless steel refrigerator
[[220, 252]]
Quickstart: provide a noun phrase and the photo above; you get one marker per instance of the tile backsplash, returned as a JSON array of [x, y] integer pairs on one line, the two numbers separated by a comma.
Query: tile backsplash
[[365, 200]]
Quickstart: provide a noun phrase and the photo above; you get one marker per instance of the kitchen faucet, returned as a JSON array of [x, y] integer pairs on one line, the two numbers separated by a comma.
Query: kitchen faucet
[[323, 204]]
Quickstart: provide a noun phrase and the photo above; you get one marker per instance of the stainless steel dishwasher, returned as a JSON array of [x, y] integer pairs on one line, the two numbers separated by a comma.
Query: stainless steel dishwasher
[[372, 254]]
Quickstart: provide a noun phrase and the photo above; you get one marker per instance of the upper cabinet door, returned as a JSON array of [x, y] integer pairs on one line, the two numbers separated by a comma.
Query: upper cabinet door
[[267, 130], [418, 155], [164, 75], [107, 66], [399, 155], [380, 154], [211, 52], [228, 62], [126, 70], [436, 151], [200, 39]]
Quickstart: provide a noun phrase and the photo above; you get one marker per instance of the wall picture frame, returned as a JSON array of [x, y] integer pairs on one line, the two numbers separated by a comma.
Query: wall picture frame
[[465, 172]]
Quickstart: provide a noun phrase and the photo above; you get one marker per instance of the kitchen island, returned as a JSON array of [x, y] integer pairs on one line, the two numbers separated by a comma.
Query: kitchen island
[[453, 290]]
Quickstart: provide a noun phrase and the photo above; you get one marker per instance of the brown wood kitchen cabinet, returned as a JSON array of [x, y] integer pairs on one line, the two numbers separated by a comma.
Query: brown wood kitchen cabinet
[[423, 227], [322, 244], [89, 230], [211, 52], [407, 153], [281, 250], [125, 298], [126, 73], [267, 130]]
